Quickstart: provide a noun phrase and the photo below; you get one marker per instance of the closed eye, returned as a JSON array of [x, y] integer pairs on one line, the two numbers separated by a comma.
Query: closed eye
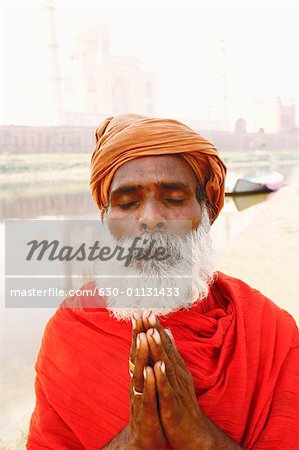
[[174, 201], [128, 205]]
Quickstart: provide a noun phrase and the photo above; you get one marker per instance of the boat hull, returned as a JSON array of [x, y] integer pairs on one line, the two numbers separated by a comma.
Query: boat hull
[[259, 184]]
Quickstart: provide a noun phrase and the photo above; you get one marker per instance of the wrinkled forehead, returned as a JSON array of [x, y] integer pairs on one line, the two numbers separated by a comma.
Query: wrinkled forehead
[[147, 170]]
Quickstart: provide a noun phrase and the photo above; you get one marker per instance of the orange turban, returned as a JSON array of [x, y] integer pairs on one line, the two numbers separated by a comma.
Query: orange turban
[[125, 137]]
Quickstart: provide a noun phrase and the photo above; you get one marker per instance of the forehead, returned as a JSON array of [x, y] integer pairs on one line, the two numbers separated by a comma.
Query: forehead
[[147, 170]]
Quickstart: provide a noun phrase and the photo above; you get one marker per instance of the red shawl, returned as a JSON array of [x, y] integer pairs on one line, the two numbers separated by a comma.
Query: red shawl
[[242, 350]]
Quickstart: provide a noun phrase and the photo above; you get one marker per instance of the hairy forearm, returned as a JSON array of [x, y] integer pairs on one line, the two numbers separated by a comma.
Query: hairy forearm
[[216, 439], [120, 442], [213, 439]]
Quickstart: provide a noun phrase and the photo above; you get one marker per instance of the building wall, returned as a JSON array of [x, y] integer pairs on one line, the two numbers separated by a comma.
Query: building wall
[[97, 82], [21, 139]]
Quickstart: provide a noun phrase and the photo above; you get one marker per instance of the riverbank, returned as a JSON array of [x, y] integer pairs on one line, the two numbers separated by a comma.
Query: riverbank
[[266, 254], [258, 245]]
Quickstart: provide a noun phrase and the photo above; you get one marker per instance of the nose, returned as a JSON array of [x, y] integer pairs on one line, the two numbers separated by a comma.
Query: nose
[[151, 218]]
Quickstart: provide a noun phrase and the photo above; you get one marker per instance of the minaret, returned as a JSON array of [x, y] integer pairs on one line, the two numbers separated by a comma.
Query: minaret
[[54, 77], [224, 85]]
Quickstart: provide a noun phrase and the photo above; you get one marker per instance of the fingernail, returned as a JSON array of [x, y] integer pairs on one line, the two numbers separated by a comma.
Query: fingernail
[[133, 323], [145, 314], [168, 331], [136, 315], [162, 366], [156, 336], [144, 373], [152, 319]]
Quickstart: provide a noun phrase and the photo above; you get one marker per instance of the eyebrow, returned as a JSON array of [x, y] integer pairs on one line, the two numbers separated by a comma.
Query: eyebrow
[[131, 188], [176, 186], [126, 189]]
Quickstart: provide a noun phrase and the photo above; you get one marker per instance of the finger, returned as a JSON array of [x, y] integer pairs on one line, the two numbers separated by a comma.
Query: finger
[[158, 354], [149, 321], [137, 327], [175, 351], [135, 403], [150, 406], [141, 360], [164, 388], [169, 334]]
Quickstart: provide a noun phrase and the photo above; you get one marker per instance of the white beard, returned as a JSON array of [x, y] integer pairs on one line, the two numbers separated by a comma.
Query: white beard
[[189, 270]]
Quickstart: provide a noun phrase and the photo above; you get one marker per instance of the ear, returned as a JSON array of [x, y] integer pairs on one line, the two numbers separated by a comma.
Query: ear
[[103, 211]]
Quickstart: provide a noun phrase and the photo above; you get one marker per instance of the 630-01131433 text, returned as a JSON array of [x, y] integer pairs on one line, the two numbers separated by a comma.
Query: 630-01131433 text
[[102, 292]]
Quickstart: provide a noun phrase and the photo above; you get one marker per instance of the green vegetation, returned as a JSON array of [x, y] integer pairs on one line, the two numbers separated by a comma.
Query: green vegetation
[[65, 173], [44, 162], [38, 174], [235, 158]]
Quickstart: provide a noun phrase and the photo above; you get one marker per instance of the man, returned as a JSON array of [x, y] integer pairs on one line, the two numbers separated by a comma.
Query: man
[[212, 368]]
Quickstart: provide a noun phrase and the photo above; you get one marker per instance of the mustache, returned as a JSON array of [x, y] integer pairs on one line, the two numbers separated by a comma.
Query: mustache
[[160, 237], [188, 270], [158, 248]]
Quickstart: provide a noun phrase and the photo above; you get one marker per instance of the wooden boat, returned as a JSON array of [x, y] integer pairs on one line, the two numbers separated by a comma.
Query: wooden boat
[[245, 201], [269, 182]]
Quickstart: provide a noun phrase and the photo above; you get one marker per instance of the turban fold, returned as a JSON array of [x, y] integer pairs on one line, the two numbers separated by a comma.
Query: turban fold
[[125, 137]]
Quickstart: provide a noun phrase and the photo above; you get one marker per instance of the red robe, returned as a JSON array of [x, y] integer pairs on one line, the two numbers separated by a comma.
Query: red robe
[[242, 350]]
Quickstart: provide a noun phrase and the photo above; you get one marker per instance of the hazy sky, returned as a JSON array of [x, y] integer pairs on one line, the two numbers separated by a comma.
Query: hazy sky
[[178, 41]]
